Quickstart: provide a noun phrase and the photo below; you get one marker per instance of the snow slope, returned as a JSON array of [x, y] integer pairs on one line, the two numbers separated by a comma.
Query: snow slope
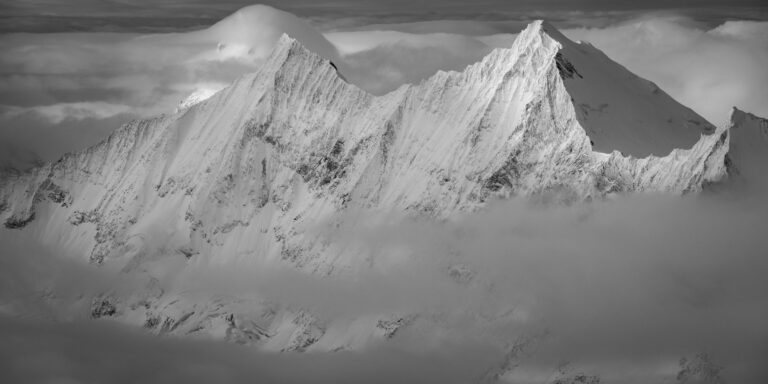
[[621, 111], [748, 154], [196, 97], [240, 176]]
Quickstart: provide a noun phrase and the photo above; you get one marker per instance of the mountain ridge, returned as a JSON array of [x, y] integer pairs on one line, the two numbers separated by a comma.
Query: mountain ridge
[[240, 176]]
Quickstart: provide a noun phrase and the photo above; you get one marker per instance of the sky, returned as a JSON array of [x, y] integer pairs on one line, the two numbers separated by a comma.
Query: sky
[[165, 15], [62, 91]]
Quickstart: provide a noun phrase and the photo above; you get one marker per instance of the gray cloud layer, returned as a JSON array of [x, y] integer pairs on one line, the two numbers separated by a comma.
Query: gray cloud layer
[[35, 351], [169, 16], [623, 288]]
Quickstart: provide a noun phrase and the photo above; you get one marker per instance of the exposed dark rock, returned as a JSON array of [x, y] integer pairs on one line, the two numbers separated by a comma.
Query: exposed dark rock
[[54, 193], [566, 69], [188, 252], [80, 217], [392, 326], [15, 222], [699, 369], [504, 176], [102, 307], [152, 322], [578, 378]]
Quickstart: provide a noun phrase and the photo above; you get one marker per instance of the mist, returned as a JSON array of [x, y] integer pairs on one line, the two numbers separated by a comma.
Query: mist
[[111, 353], [631, 281]]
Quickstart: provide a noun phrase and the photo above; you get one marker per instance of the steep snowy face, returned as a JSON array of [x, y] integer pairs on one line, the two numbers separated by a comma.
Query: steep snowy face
[[294, 143], [748, 154], [241, 175], [196, 97], [619, 110]]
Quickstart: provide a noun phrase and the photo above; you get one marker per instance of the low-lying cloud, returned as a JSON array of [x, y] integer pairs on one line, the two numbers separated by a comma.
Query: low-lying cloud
[[621, 288], [35, 351]]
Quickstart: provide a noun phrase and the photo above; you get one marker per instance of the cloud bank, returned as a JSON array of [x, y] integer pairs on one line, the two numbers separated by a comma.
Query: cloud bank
[[110, 353], [621, 288], [62, 92]]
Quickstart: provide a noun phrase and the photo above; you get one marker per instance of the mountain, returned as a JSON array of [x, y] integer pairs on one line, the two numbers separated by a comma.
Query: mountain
[[619, 110], [242, 175], [748, 153]]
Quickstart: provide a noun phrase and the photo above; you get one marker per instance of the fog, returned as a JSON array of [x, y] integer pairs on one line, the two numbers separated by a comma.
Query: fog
[[623, 288], [102, 352]]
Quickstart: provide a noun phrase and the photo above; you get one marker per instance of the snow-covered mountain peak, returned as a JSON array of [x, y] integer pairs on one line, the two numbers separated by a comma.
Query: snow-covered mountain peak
[[619, 110], [288, 43], [749, 147], [544, 27], [244, 174], [739, 117], [291, 54]]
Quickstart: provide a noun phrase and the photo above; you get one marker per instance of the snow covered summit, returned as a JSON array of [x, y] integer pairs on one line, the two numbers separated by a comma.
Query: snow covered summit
[[239, 177], [619, 110]]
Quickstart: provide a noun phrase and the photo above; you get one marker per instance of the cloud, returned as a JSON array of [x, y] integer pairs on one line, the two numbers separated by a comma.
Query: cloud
[[709, 70], [36, 351], [44, 301], [630, 284], [636, 279], [54, 79], [381, 61], [622, 288]]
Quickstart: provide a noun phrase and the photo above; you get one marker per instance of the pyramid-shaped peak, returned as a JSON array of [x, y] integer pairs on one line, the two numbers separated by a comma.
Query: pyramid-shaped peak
[[543, 27], [739, 116], [287, 47], [291, 53], [286, 42]]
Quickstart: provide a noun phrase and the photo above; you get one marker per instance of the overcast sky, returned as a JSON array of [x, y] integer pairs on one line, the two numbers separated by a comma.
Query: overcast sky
[[169, 15]]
